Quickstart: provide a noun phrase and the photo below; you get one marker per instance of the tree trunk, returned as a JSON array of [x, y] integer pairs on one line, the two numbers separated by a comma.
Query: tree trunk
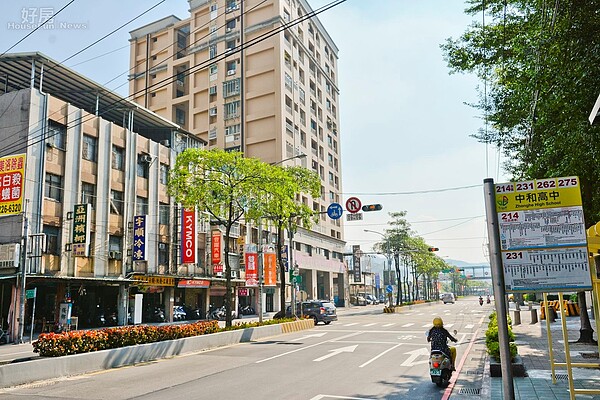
[[586, 333], [398, 279], [281, 268], [228, 295]]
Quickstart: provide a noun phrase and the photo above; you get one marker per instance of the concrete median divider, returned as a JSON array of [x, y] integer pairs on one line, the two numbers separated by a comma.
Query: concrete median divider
[[44, 368]]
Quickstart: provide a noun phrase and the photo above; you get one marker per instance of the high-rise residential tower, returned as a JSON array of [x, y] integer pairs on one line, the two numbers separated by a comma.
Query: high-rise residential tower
[[257, 76]]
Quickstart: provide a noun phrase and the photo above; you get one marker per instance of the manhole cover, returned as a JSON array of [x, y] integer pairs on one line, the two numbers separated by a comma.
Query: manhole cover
[[470, 391]]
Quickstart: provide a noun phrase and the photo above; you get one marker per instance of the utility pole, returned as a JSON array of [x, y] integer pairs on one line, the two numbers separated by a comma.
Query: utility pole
[[292, 267], [23, 274], [260, 271]]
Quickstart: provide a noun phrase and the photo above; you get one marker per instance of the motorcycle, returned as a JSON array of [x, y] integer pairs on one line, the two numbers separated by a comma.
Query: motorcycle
[[440, 367], [481, 301], [488, 301], [247, 310], [219, 314]]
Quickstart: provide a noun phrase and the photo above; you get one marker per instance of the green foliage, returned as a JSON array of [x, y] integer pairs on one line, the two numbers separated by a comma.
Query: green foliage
[[538, 61], [75, 342], [529, 297], [492, 341], [573, 297]]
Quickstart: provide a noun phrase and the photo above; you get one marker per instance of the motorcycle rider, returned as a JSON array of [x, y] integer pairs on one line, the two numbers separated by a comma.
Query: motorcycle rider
[[488, 299], [438, 336], [480, 300]]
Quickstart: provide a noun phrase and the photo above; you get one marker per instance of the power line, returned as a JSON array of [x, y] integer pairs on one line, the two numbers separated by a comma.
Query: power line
[[413, 192], [38, 27], [198, 67]]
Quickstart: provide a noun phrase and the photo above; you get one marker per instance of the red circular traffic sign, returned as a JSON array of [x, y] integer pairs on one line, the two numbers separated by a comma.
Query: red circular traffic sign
[[353, 205]]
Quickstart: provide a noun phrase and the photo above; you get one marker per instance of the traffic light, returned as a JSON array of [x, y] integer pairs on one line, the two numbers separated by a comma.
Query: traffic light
[[372, 207], [432, 249]]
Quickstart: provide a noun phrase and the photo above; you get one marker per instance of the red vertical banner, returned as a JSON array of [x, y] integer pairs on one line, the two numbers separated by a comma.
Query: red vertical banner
[[270, 269], [251, 263], [189, 235], [215, 250]]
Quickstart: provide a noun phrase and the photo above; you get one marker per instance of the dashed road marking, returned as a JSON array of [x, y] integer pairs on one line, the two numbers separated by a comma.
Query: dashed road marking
[[407, 325]]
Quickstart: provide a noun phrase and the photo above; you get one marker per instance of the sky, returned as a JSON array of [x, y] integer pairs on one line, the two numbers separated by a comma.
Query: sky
[[404, 125]]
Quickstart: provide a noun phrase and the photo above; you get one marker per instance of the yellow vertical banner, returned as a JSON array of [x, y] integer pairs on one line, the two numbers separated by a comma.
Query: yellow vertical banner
[[12, 179], [270, 269]]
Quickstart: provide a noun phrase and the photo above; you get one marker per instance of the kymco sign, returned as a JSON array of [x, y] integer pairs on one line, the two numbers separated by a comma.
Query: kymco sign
[[188, 237]]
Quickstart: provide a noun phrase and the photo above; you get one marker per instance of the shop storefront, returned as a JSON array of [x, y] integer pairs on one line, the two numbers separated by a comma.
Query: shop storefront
[[192, 295], [158, 300]]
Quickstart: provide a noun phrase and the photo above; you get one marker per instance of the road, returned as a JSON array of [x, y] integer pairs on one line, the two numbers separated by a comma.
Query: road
[[366, 354]]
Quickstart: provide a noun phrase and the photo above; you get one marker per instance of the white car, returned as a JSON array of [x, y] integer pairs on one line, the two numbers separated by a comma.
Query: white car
[[447, 298]]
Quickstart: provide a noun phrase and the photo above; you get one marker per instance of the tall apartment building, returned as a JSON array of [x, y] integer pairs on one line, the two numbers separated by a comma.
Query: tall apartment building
[[243, 75]]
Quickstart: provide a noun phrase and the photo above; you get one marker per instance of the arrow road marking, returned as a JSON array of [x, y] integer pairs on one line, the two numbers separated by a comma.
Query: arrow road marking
[[347, 349], [309, 336], [410, 361]]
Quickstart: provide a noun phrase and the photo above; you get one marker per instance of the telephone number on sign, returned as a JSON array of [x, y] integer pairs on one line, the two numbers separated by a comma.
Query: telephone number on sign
[[10, 208]]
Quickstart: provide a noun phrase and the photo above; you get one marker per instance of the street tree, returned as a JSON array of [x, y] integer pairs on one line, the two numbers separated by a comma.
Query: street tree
[[538, 62], [225, 186], [281, 207]]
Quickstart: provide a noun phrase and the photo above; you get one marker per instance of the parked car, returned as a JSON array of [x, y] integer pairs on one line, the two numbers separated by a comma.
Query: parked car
[[358, 300], [447, 298], [319, 310], [371, 299]]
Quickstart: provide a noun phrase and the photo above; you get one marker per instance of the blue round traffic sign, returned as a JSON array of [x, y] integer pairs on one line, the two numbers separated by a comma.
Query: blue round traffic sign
[[389, 289], [334, 211]]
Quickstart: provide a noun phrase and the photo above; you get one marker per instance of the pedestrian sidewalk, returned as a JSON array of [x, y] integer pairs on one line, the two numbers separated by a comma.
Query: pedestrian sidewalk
[[532, 342]]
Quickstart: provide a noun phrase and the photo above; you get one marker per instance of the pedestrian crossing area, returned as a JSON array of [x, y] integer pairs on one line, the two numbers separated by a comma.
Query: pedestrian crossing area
[[400, 325]]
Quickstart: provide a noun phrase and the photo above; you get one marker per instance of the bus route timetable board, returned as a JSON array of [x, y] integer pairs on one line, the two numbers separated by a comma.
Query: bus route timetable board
[[542, 235]]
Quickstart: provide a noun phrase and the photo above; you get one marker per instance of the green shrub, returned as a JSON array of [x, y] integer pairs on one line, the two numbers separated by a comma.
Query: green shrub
[[74, 342], [492, 341], [573, 298]]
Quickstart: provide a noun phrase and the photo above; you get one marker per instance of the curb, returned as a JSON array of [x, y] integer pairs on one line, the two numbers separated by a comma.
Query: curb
[[44, 368]]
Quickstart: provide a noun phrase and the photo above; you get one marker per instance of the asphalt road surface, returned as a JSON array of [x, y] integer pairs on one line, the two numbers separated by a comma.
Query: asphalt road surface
[[366, 354]]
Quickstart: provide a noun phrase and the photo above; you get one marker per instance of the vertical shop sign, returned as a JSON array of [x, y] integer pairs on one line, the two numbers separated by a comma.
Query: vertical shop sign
[[139, 238], [12, 172], [216, 247], [356, 254], [81, 230], [251, 263], [189, 235], [269, 266]]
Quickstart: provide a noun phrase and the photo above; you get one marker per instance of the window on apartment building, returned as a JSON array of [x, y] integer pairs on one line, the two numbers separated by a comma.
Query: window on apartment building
[[118, 158], [163, 253], [57, 135], [231, 88], [230, 45], [213, 69], [231, 67], [212, 51], [302, 117], [302, 95], [116, 202], [164, 211], [54, 187], [52, 239], [231, 5], [230, 25], [115, 243], [232, 109], [142, 166], [286, 15], [232, 129], [180, 116], [141, 206], [164, 173], [288, 81], [88, 194], [89, 150]]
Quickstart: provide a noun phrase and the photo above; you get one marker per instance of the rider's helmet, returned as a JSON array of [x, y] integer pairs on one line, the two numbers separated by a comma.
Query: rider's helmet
[[438, 323]]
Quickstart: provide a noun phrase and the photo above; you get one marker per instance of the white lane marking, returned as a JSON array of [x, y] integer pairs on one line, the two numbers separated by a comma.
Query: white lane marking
[[347, 349], [407, 325], [307, 347], [330, 396], [421, 313], [309, 336], [352, 324], [386, 325], [470, 326], [379, 355], [449, 325], [371, 324], [414, 354], [427, 326]]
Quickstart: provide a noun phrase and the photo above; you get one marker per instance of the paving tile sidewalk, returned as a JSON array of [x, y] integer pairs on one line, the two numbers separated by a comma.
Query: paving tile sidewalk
[[533, 348]]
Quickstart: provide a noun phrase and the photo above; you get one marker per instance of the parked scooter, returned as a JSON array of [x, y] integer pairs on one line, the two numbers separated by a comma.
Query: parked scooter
[[220, 314], [440, 367], [247, 310]]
